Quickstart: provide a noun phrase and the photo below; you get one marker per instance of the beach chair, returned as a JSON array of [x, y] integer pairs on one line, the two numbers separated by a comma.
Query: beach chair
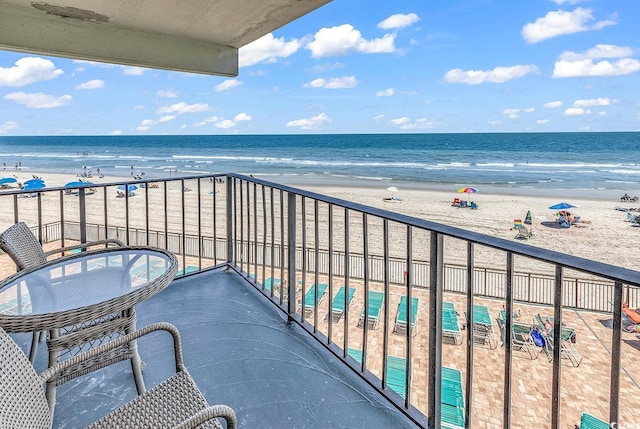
[[356, 354], [482, 327], [270, 282], [337, 305], [587, 421], [452, 399], [310, 303], [456, 202], [176, 402], [473, 205], [372, 314], [450, 324], [397, 375], [401, 316], [633, 219], [521, 338], [546, 327]]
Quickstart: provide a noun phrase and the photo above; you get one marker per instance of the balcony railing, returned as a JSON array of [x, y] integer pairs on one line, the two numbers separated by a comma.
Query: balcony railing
[[307, 251]]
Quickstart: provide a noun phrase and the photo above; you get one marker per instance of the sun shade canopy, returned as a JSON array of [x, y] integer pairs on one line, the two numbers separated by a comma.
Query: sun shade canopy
[[199, 36]]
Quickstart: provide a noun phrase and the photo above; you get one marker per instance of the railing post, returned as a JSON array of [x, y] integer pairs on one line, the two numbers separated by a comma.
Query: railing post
[[557, 341], [435, 323], [230, 214], [82, 201], [291, 261], [508, 326], [614, 390]]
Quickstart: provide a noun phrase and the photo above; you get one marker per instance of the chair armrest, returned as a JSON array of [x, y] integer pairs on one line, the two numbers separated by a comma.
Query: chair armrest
[[84, 246], [210, 413], [92, 353]]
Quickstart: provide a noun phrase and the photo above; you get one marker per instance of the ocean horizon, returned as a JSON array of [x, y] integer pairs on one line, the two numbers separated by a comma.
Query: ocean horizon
[[598, 165]]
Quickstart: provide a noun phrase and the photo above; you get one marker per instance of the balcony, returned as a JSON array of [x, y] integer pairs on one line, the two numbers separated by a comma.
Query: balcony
[[252, 252]]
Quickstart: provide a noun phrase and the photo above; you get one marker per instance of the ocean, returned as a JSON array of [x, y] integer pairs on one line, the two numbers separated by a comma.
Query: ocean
[[598, 164]]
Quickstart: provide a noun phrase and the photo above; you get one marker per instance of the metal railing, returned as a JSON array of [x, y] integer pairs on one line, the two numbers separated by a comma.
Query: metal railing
[[250, 225]]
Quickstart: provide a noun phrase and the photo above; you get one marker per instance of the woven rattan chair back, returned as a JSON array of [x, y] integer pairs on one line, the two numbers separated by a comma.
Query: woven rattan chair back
[[22, 400], [22, 246]]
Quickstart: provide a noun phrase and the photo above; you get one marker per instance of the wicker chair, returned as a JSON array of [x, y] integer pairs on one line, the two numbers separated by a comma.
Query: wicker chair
[[175, 403], [23, 247]]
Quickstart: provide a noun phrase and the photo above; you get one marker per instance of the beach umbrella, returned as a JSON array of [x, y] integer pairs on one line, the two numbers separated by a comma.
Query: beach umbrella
[[392, 189], [562, 206], [527, 218], [33, 186], [7, 180], [34, 182], [468, 190], [128, 188], [77, 184]]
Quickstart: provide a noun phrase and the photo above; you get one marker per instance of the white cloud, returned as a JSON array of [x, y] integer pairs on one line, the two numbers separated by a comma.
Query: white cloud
[[116, 133], [138, 106], [28, 70], [400, 121], [228, 84], [399, 21], [560, 22], [91, 84], [345, 39], [8, 126], [542, 121], [313, 123], [39, 100], [146, 124], [267, 49], [225, 123], [576, 111], [573, 64], [553, 104], [594, 102], [560, 2], [206, 121], [511, 113], [378, 117], [182, 107], [530, 110], [132, 71], [497, 75], [385, 92], [167, 93], [333, 83], [242, 117], [494, 122]]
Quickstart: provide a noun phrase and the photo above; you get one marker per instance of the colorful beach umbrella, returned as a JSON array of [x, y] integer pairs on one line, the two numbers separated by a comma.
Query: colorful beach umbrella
[[468, 190], [33, 186], [562, 206], [7, 180]]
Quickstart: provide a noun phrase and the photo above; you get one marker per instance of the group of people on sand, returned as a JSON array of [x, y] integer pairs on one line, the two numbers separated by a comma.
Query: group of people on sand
[[629, 198]]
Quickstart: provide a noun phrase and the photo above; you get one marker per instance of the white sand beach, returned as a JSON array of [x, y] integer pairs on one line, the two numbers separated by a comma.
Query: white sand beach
[[604, 233]]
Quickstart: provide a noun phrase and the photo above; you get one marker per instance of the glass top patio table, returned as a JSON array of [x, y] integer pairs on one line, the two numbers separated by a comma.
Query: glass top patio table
[[82, 287]]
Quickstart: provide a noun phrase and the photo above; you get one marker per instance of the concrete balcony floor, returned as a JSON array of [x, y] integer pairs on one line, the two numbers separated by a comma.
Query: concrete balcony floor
[[241, 352]]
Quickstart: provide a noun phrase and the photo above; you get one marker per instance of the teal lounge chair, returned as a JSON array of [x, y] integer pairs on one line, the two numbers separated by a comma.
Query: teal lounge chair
[[337, 305], [483, 332], [397, 375], [188, 269], [587, 421], [567, 336], [269, 283], [310, 296], [401, 316], [450, 325], [356, 354], [376, 300], [452, 399]]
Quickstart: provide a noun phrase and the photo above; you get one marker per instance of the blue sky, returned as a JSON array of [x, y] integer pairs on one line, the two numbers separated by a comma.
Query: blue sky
[[357, 66]]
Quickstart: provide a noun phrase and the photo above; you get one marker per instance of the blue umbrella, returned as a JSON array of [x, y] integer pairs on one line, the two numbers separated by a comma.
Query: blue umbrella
[[6, 180], [129, 188], [33, 186], [77, 184], [561, 206], [34, 182]]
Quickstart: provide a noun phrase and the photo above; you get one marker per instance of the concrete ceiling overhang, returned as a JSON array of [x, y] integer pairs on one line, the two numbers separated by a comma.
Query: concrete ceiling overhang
[[199, 36]]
